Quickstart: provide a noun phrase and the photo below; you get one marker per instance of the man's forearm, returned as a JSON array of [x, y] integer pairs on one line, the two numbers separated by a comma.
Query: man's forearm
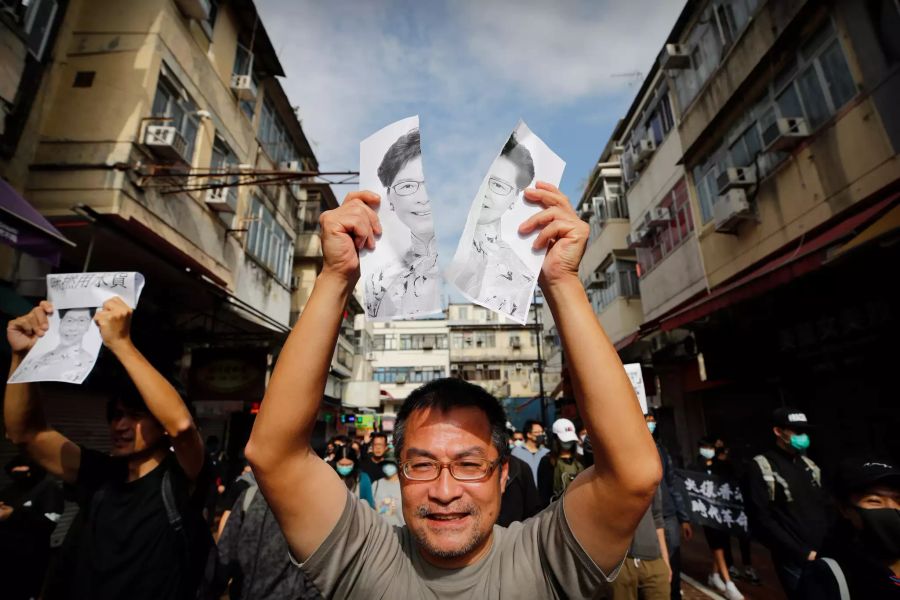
[[623, 447], [291, 404], [22, 413]]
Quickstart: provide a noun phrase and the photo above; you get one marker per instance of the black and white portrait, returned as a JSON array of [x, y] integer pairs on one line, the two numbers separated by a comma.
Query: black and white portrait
[[69, 348], [494, 266], [71, 357], [400, 277]]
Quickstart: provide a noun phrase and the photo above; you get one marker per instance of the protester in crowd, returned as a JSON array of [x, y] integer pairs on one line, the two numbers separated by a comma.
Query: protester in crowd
[[716, 539], [582, 435], [346, 463], [520, 499], [130, 545], [675, 514], [518, 439], [561, 466], [646, 573], [862, 553], [450, 441], [253, 554], [787, 507], [748, 573], [372, 464], [534, 449], [386, 492], [30, 508], [235, 489]]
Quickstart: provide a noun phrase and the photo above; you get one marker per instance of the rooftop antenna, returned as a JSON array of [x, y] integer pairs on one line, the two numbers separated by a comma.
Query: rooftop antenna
[[633, 77]]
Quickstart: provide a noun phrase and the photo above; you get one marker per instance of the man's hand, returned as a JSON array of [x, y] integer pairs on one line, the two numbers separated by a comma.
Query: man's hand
[[114, 321], [812, 555], [687, 532], [564, 234], [347, 230], [23, 333], [6, 511]]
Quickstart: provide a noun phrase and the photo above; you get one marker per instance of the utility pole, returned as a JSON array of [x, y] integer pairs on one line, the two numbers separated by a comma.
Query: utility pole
[[540, 359]]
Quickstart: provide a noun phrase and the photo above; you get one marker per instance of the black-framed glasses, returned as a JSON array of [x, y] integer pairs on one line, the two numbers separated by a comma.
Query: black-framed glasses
[[464, 469], [499, 187], [407, 187]]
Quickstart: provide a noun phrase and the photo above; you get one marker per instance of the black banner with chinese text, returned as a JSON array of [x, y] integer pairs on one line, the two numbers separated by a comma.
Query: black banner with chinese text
[[714, 502]]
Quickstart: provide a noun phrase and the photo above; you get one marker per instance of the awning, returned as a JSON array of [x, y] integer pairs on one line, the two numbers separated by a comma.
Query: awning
[[888, 223], [24, 228], [793, 263], [627, 341]]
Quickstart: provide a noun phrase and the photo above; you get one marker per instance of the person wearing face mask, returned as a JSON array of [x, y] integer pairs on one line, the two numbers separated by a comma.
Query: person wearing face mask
[[563, 457], [787, 508], [718, 540], [386, 492], [346, 463], [861, 556], [533, 450], [30, 507], [517, 439]]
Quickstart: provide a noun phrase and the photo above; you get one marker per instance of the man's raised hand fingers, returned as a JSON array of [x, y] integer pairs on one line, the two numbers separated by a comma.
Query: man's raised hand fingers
[[364, 196], [547, 197], [39, 316], [541, 219], [553, 231]]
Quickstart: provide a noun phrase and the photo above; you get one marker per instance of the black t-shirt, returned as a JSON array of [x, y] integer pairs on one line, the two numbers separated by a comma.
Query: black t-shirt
[[372, 468], [128, 548]]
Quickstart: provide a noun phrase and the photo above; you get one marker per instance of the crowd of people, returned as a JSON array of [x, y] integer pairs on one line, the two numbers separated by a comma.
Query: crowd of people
[[453, 503]]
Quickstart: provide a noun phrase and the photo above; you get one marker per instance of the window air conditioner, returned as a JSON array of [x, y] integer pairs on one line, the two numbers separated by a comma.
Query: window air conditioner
[[217, 198], [587, 210], [194, 9], [400, 379], [596, 280], [480, 367], [657, 217], [290, 165], [166, 143], [736, 177], [642, 151], [370, 355], [515, 343], [243, 87], [519, 366], [675, 56], [730, 209], [784, 134], [637, 240]]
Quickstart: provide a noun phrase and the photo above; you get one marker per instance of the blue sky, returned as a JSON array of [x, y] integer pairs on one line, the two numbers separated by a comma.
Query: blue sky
[[470, 69]]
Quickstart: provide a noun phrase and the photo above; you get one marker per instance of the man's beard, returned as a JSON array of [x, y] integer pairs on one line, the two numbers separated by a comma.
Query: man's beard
[[475, 539]]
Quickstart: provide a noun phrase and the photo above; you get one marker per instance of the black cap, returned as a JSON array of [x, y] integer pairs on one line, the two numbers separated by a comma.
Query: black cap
[[855, 475], [787, 417]]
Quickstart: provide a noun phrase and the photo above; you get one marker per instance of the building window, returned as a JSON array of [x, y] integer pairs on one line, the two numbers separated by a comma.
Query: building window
[[274, 136], [268, 241], [35, 20], [243, 65], [669, 237], [172, 103], [407, 374], [621, 281], [463, 313], [378, 342]]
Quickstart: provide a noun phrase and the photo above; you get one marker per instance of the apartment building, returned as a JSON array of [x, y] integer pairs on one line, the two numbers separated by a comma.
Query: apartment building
[[406, 354], [155, 136], [763, 193], [501, 356]]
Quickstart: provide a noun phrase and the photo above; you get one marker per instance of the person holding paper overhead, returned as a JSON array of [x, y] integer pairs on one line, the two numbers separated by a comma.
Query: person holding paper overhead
[[128, 546], [498, 278], [452, 448]]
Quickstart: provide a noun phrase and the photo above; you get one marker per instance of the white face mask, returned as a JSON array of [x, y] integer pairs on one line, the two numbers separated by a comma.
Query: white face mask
[[518, 443], [707, 453]]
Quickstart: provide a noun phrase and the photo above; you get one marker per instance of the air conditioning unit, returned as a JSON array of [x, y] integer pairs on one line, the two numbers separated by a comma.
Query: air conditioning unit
[[401, 379], [596, 280], [730, 209], [295, 282], [675, 56], [659, 216], [480, 367], [243, 87], [519, 366], [290, 165], [428, 345], [217, 198], [784, 134], [642, 152], [370, 355], [515, 343], [587, 210], [736, 177], [636, 240], [194, 9], [299, 192], [166, 142]]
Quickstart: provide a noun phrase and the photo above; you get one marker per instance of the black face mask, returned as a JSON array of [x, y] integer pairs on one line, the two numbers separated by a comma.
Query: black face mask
[[881, 531], [539, 439], [567, 445]]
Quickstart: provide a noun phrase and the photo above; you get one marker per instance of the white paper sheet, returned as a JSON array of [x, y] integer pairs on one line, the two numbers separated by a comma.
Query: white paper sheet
[[637, 380], [69, 349], [494, 266], [400, 276]]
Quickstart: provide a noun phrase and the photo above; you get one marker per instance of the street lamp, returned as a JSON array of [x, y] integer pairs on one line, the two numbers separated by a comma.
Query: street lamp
[[540, 359]]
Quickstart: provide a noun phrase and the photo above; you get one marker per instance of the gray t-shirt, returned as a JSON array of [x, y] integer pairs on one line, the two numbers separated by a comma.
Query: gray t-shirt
[[366, 558]]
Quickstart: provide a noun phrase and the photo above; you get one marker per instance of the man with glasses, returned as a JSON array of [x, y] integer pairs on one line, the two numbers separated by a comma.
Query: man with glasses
[[451, 443], [496, 276], [415, 285]]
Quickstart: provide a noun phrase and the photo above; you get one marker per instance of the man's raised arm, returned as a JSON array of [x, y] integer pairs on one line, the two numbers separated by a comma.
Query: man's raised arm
[[605, 503], [305, 494]]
